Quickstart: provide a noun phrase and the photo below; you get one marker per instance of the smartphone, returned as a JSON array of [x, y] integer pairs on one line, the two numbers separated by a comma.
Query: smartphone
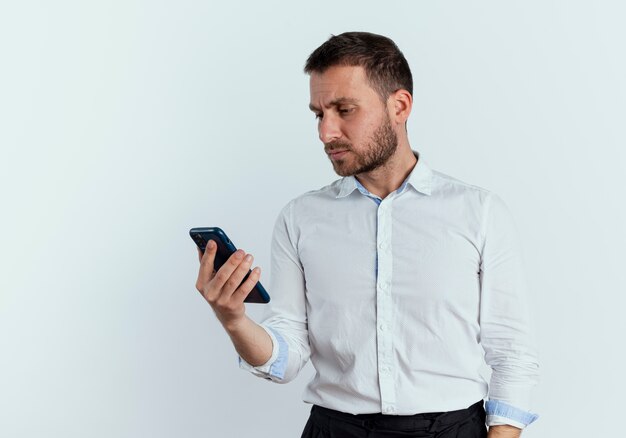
[[224, 250]]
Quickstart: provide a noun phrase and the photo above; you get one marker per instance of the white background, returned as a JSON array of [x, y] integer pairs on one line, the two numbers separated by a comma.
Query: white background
[[123, 124]]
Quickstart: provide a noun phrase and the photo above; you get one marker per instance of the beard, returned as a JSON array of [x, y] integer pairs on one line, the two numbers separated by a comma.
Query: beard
[[381, 146]]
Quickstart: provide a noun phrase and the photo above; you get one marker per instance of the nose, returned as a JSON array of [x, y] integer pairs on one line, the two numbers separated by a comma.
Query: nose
[[328, 129]]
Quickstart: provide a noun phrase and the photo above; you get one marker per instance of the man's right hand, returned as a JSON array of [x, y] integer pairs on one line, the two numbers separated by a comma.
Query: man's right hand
[[223, 289]]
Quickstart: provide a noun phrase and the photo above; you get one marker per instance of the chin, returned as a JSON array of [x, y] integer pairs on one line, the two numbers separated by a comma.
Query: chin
[[343, 170]]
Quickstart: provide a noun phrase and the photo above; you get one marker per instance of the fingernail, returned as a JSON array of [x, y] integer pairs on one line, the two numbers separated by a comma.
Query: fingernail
[[239, 253], [248, 258], [210, 244]]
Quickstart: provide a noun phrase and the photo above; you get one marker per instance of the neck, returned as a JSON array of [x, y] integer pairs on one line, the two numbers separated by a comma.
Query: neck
[[388, 178]]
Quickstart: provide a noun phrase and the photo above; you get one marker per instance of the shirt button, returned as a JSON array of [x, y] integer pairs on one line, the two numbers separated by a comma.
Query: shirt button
[[382, 327]]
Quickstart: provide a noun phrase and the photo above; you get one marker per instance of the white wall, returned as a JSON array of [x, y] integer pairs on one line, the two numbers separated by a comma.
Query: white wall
[[123, 124]]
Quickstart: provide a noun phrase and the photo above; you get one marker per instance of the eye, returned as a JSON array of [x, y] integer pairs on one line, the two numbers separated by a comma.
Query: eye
[[345, 111]]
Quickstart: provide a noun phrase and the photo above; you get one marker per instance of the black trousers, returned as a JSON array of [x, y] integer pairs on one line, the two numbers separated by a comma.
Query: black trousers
[[464, 423]]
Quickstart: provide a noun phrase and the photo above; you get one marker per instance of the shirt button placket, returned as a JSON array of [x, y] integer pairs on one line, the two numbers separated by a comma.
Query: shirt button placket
[[384, 317]]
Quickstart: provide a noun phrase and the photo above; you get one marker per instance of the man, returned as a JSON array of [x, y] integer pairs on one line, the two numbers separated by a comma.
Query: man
[[397, 281]]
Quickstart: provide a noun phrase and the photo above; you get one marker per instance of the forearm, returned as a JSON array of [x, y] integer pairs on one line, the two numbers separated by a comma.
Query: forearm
[[504, 431], [251, 341]]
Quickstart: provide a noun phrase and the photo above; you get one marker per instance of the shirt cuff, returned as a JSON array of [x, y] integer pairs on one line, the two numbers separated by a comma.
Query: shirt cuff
[[500, 413], [274, 368]]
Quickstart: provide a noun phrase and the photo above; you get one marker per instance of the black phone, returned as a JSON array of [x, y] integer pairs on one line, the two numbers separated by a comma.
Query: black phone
[[225, 248]]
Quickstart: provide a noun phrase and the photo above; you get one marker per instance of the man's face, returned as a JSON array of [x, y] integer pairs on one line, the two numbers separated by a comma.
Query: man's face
[[353, 123]]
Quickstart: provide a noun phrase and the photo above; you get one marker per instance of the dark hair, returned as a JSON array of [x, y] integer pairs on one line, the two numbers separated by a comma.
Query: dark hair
[[385, 66]]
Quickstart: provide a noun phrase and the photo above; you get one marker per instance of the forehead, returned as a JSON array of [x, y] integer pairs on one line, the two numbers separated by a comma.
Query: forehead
[[340, 82]]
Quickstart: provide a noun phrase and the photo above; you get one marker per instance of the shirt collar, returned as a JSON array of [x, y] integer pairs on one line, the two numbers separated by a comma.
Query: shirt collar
[[420, 179]]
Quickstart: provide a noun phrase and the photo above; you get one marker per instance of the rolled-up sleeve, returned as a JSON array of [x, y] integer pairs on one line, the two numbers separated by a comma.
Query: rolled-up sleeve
[[505, 323], [285, 317]]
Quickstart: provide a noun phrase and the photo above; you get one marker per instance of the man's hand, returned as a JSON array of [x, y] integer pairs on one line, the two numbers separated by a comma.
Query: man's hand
[[223, 289], [504, 431], [225, 292]]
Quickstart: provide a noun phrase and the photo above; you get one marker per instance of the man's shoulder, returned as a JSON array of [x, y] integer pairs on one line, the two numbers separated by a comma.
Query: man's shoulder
[[446, 183], [328, 192], [459, 192], [314, 199]]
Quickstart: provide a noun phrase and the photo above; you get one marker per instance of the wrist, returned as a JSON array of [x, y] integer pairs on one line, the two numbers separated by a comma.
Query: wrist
[[504, 431], [235, 325]]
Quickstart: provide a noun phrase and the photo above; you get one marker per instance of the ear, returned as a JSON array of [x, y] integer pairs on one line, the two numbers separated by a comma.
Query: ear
[[400, 104]]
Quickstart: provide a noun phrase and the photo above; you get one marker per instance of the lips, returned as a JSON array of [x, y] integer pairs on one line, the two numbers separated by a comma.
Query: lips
[[336, 154]]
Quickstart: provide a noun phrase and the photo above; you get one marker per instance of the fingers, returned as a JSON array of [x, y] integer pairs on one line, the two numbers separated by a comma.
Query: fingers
[[207, 261], [242, 292], [219, 287], [239, 266]]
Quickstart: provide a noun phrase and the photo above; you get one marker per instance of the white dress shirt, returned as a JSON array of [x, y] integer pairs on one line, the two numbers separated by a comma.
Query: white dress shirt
[[399, 302]]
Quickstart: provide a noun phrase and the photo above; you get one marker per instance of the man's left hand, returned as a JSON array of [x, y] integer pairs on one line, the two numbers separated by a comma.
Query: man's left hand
[[504, 431]]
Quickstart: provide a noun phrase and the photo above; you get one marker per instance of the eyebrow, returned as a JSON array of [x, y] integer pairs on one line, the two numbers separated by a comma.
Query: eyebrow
[[337, 102]]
